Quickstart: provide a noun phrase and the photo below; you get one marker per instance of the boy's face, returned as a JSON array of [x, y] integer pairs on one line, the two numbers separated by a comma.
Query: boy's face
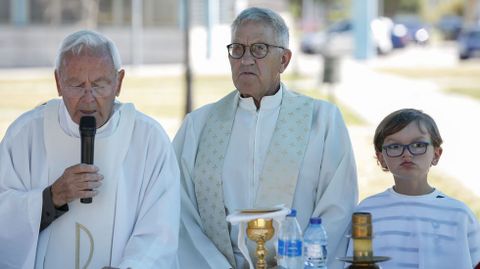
[[408, 166]]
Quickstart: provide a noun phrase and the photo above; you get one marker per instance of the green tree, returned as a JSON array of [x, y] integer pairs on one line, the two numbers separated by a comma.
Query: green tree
[[335, 9], [392, 7]]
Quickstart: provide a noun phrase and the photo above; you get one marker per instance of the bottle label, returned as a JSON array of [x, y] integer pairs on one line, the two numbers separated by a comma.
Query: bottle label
[[315, 251], [290, 248], [315, 254]]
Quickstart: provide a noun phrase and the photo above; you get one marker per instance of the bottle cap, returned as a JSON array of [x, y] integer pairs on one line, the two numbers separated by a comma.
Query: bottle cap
[[293, 213], [316, 220]]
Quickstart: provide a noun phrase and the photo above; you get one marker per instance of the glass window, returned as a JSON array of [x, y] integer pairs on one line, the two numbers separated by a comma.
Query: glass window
[[5, 11], [56, 11], [160, 13]]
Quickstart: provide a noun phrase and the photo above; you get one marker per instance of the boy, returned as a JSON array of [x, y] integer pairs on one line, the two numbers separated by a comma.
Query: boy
[[414, 224]]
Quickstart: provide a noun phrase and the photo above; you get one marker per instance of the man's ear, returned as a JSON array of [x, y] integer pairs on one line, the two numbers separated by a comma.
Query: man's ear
[[57, 82], [286, 56], [121, 75]]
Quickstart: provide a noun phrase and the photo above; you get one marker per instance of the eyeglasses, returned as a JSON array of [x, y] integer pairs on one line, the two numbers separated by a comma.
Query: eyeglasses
[[415, 148], [78, 91], [257, 50], [102, 88]]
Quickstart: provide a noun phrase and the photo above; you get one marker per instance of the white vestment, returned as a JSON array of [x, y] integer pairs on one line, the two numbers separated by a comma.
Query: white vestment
[[145, 225], [424, 232], [326, 184]]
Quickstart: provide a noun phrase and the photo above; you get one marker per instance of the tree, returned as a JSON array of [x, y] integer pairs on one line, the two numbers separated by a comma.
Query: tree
[[393, 7]]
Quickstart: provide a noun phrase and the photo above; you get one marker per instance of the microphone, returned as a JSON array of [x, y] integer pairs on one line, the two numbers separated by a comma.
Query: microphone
[[88, 127]]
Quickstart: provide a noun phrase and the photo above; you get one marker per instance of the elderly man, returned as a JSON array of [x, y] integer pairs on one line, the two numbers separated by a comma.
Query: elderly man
[[261, 145], [133, 220]]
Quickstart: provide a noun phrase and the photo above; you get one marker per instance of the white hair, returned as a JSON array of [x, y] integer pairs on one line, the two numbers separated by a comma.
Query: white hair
[[268, 18], [84, 40]]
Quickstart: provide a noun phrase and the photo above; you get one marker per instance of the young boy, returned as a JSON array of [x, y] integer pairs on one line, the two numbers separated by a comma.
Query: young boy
[[414, 224]]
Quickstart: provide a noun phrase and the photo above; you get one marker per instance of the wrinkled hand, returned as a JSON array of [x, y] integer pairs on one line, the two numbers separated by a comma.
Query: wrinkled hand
[[78, 181]]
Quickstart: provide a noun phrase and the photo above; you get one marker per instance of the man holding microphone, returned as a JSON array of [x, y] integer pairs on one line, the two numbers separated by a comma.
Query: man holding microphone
[[133, 220]]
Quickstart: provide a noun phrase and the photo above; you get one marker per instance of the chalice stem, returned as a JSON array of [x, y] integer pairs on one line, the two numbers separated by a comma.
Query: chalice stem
[[261, 254]]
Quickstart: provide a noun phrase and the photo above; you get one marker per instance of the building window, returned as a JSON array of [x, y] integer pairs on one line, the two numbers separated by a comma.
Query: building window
[[4, 11], [92, 13]]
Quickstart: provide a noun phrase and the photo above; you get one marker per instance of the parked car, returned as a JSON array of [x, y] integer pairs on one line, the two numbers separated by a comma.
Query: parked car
[[339, 33], [399, 36], [416, 30], [338, 39], [381, 31], [469, 43]]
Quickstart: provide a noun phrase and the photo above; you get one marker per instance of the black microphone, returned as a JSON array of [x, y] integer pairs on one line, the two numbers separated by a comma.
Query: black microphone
[[88, 127]]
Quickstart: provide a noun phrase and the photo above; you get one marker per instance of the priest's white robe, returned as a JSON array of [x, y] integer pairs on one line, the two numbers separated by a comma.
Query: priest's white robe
[[326, 185], [147, 205]]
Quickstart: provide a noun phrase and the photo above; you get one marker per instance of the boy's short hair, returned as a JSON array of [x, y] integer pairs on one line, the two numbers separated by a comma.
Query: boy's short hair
[[397, 120]]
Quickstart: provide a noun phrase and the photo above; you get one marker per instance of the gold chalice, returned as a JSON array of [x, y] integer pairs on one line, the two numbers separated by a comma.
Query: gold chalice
[[260, 231]]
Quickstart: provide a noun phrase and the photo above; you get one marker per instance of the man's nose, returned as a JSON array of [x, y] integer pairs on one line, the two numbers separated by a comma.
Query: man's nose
[[247, 57], [89, 93]]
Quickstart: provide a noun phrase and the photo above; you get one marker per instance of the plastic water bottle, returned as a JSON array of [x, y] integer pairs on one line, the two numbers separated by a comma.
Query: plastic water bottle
[[290, 243], [315, 245]]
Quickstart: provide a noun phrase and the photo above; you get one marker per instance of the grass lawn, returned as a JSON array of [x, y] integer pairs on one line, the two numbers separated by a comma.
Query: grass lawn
[[164, 97], [472, 92], [464, 79]]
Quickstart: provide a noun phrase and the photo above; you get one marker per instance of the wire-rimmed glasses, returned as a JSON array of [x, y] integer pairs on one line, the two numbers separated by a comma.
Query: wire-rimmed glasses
[[257, 50], [102, 87], [78, 91], [415, 148]]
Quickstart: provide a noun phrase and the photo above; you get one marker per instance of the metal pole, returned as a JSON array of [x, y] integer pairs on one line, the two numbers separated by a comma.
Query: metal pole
[[212, 20], [20, 12], [117, 11], [188, 72], [364, 11]]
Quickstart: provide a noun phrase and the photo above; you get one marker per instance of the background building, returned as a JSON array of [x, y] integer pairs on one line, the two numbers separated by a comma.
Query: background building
[[146, 31]]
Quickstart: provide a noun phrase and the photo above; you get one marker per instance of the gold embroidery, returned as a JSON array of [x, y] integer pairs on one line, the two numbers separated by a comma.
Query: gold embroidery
[[79, 227]]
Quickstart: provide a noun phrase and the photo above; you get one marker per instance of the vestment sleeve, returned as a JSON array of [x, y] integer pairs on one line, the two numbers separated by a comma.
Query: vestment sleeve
[[154, 239], [196, 250], [338, 190], [49, 212], [20, 207]]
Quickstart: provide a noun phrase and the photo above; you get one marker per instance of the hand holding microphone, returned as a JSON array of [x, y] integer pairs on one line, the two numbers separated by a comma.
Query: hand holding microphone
[[81, 180]]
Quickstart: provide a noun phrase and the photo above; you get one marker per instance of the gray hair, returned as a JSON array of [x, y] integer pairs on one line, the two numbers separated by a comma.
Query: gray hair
[[84, 40], [266, 17]]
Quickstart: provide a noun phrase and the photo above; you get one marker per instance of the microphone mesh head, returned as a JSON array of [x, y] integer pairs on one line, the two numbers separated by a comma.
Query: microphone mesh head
[[88, 125]]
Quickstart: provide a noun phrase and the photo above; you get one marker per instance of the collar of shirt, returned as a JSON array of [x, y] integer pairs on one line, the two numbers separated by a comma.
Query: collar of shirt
[[72, 129], [427, 196], [267, 102]]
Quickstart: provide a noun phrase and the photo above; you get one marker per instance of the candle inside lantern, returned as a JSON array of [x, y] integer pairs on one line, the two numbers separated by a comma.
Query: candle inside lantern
[[362, 236]]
